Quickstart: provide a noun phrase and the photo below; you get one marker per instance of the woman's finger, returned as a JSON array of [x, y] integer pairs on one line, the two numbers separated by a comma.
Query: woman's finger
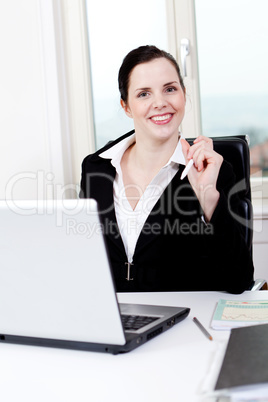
[[200, 144], [203, 157], [185, 147], [203, 138], [202, 161]]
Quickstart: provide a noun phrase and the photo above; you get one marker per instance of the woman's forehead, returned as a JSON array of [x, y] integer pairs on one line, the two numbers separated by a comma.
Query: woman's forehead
[[158, 70]]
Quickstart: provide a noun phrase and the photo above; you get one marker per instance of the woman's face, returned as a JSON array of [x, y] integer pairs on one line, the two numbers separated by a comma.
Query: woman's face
[[156, 101]]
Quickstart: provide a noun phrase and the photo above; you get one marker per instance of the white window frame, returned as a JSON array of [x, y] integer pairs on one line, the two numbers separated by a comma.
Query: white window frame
[[181, 16]]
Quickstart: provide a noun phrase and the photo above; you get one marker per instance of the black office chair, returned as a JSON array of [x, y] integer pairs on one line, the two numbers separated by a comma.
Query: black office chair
[[235, 150]]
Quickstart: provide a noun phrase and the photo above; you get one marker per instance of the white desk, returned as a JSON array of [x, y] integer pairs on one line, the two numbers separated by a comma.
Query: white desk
[[171, 367]]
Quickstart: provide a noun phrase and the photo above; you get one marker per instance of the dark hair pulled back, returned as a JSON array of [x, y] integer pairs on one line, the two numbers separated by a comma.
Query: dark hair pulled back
[[142, 54]]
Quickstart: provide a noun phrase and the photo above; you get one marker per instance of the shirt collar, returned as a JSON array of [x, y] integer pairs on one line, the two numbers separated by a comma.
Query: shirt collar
[[116, 152]]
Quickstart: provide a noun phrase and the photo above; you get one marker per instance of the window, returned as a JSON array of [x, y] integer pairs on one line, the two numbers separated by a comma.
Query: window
[[233, 64]]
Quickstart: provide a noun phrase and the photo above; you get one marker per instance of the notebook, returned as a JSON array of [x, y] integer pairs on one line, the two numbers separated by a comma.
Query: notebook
[[56, 283], [245, 360]]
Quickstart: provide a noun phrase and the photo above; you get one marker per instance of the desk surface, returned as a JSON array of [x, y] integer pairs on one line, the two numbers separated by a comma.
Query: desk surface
[[171, 367]]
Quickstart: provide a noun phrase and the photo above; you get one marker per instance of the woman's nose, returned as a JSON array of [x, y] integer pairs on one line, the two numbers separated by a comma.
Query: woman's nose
[[159, 101]]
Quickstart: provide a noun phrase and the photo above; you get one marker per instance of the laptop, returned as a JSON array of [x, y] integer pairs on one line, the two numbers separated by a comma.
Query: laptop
[[56, 283]]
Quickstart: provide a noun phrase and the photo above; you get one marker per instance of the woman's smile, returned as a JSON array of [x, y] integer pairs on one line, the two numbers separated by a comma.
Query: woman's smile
[[162, 119]]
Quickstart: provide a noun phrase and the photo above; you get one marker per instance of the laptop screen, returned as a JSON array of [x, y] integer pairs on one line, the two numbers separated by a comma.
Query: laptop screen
[[55, 278]]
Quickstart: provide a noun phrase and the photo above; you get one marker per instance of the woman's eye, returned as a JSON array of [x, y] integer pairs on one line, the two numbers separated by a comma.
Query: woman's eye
[[171, 89], [143, 95]]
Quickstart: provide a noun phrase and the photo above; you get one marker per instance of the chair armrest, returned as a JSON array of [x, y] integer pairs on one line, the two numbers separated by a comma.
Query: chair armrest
[[259, 284]]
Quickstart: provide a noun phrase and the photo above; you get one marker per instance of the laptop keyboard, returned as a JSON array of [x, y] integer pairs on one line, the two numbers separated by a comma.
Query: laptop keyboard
[[135, 322]]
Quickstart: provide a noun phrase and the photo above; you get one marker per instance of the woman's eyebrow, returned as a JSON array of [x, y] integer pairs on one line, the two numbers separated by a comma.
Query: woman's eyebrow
[[143, 89], [170, 83], [148, 88]]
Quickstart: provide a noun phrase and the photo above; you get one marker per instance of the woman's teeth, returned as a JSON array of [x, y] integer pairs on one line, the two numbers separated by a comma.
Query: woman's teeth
[[161, 118]]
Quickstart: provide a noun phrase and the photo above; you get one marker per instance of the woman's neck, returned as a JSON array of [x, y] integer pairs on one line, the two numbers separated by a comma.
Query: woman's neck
[[140, 164], [152, 156]]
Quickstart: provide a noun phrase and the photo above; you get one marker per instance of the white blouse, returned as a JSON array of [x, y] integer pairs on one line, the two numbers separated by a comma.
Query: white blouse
[[131, 222]]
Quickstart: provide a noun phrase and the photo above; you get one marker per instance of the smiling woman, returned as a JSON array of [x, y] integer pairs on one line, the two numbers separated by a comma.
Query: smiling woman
[[156, 102], [155, 98], [136, 181]]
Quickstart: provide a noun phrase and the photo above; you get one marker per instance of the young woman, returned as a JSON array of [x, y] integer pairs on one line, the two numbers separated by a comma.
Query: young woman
[[164, 233]]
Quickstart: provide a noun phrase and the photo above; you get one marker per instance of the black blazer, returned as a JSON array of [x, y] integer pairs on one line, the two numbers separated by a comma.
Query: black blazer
[[176, 250]]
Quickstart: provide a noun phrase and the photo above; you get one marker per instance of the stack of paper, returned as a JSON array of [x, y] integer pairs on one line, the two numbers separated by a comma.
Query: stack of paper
[[232, 313]]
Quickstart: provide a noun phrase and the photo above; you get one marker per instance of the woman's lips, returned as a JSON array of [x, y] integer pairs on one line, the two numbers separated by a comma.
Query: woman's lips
[[162, 119]]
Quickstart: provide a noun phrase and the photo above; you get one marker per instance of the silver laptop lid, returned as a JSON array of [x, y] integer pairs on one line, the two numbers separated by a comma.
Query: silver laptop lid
[[55, 279]]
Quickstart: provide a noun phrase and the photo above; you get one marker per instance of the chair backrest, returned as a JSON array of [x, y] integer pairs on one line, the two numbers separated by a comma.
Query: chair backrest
[[235, 150]]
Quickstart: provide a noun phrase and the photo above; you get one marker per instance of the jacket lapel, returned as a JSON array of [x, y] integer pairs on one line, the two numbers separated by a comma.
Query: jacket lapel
[[101, 184]]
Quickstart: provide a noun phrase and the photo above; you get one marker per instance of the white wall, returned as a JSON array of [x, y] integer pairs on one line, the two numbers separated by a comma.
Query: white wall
[[29, 118]]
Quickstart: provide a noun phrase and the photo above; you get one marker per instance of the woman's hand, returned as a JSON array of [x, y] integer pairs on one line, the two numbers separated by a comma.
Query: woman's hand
[[204, 173]]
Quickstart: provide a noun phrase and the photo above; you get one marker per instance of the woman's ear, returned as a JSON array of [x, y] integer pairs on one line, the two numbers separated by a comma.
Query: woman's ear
[[126, 108]]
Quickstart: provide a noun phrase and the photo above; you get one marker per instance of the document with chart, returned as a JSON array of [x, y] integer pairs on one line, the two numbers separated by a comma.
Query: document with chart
[[232, 313]]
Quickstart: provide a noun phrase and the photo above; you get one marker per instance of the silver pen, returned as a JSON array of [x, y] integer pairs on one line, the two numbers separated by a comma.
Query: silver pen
[[200, 326]]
